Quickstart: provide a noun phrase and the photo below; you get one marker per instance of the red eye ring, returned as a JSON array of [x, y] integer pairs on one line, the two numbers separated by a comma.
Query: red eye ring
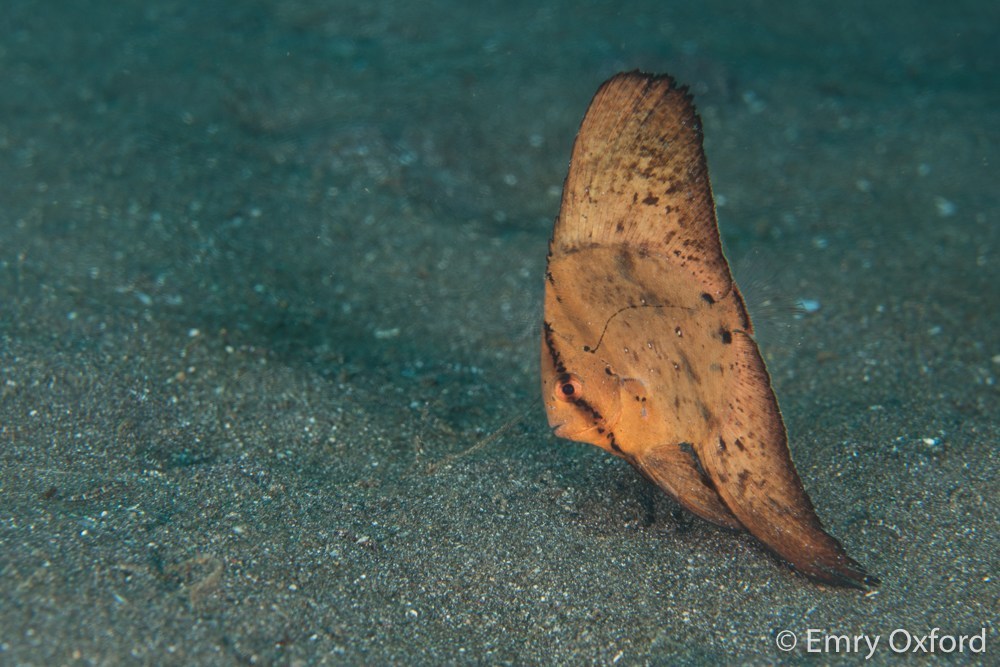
[[568, 387]]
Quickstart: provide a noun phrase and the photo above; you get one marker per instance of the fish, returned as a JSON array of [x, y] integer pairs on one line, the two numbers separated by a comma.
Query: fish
[[647, 347]]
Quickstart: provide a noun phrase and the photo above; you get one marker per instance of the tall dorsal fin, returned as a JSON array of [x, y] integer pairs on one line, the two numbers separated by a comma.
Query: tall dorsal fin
[[637, 177]]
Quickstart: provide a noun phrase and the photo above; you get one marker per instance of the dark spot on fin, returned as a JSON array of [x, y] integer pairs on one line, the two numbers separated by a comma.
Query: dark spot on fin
[[707, 298], [742, 306], [706, 414]]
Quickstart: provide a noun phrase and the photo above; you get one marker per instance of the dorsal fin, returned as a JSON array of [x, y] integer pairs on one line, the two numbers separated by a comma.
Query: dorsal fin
[[639, 160]]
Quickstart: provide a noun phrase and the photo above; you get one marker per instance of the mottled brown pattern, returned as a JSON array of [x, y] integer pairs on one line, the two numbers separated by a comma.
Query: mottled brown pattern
[[642, 314]]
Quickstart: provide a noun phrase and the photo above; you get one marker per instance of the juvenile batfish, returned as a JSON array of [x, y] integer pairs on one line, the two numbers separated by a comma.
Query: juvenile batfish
[[647, 347]]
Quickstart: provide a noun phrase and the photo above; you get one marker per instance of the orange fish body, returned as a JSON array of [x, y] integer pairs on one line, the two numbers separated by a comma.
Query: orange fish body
[[647, 347]]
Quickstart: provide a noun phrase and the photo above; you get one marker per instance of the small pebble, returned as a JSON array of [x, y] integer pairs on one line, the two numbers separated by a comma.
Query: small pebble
[[808, 305]]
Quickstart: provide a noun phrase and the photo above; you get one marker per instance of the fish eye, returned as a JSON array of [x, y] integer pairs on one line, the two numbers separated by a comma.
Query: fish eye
[[568, 387]]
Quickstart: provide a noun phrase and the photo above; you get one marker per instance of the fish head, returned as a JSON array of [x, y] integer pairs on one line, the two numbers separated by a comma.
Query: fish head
[[582, 395]]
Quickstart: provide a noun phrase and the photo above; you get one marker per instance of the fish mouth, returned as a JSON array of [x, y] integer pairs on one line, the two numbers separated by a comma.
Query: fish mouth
[[570, 428], [563, 430], [559, 430]]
